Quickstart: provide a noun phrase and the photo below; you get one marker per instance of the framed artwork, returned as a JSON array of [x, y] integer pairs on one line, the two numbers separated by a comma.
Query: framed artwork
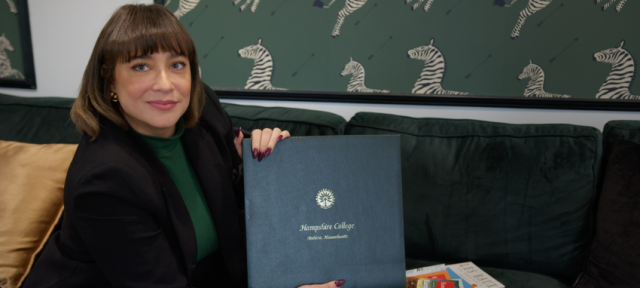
[[498, 53], [16, 54]]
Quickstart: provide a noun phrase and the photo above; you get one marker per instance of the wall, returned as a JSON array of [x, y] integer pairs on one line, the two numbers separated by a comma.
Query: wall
[[64, 32]]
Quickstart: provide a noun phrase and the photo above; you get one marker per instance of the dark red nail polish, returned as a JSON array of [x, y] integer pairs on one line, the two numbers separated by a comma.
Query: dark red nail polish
[[260, 156], [255, 153], [266, 153], [279, 137], [238, 132], [340, 282]]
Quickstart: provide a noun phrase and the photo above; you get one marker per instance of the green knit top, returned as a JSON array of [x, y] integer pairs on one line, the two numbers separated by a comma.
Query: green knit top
[[171, 154]]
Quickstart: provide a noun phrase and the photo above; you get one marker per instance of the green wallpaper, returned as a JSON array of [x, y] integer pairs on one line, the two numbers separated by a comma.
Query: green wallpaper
[[477, 54], [11, 66]]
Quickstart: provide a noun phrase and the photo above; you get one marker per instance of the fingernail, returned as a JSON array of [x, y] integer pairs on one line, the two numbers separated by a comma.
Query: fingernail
[[238, 132], [260, 156], [266, 153], [340, 282], [255, 153], [279, 137]]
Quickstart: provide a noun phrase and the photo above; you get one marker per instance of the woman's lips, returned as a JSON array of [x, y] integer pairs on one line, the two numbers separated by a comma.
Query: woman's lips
[[163, 105]]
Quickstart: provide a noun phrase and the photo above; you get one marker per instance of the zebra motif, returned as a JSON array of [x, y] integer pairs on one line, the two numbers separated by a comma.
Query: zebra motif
[[606, 5], [349, 7], [5, 62], [533, 7], [12, 7], [624, 69], [415, 6], [260, 78], [356, 84], [184, 6], [253, 7], [430, 81], [535, 87]]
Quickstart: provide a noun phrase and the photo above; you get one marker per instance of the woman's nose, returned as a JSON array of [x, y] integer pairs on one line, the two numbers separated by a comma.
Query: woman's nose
[[163, 80]]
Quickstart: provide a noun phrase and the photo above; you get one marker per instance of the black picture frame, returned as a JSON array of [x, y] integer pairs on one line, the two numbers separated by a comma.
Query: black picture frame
[[437, 100], [29, 81]]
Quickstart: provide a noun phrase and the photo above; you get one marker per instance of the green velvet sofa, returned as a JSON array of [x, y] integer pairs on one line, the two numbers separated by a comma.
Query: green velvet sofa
[[517, 200]]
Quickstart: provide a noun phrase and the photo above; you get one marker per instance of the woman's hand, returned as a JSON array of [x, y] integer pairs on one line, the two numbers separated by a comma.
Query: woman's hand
[[262, 141], [332, 284]]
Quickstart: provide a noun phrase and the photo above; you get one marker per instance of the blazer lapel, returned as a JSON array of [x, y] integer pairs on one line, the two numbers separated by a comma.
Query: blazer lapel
[[180, 220], [216, 183]]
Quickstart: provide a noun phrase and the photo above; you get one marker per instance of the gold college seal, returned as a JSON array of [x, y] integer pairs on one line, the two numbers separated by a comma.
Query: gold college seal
[[325, 199]]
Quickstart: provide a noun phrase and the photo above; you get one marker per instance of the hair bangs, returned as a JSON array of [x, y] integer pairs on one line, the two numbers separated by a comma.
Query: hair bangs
[[146, 31], [152, 43]]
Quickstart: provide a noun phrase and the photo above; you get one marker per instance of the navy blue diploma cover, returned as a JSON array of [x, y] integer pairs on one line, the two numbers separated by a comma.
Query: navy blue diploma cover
[[325, 208]]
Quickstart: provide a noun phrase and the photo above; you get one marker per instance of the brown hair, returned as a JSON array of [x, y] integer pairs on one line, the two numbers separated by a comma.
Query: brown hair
[[132, 31]]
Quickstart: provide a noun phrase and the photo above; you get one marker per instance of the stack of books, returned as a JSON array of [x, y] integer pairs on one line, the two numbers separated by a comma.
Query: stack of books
[[461, 275]]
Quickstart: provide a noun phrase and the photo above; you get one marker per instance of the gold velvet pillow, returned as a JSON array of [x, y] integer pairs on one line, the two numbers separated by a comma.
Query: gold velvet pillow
[[31, 201]]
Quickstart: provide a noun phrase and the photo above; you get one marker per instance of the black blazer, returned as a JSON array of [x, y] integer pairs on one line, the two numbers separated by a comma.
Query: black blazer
[[125, 224]]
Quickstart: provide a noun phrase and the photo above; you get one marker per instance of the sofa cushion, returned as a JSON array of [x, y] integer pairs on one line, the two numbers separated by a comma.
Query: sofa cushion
[[508, 278], [614, 130], [299, 122], [621, 129], [614, 257], [31, 200], [500, 195], [37, 120]]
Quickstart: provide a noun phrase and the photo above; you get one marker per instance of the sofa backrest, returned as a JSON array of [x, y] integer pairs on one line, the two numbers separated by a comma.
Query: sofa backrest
[[37, 120], [43, 120], [619, 129], [501, 195], [299, 122]]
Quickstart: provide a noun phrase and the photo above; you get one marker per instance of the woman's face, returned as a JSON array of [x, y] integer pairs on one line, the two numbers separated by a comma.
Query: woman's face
[[153, 91]]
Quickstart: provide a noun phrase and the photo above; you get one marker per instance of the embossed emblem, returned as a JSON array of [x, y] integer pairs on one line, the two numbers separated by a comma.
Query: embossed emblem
[[325, 199]]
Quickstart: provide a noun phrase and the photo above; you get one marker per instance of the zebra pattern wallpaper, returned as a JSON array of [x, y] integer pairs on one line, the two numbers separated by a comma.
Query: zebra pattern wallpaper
[[617, 84], [430, 81], [535, 87], [356, 83], [11, 66], [517, 48], [262, 67]]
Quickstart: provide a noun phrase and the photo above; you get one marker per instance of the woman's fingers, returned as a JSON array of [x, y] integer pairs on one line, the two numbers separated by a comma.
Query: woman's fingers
[[285, 134], [259, 142], [332, 284], [275, 135], [255, 142], [238, 141], [264, 141]]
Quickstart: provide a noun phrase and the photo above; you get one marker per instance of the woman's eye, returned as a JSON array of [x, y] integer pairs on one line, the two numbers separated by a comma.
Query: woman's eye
[[178, 65], [141, 67]]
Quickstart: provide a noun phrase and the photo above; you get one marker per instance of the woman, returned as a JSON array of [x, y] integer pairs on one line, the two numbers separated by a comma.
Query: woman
[[151, 196]]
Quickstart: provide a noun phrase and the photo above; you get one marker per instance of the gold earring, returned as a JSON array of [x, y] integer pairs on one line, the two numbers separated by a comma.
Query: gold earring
[[114, 97]]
